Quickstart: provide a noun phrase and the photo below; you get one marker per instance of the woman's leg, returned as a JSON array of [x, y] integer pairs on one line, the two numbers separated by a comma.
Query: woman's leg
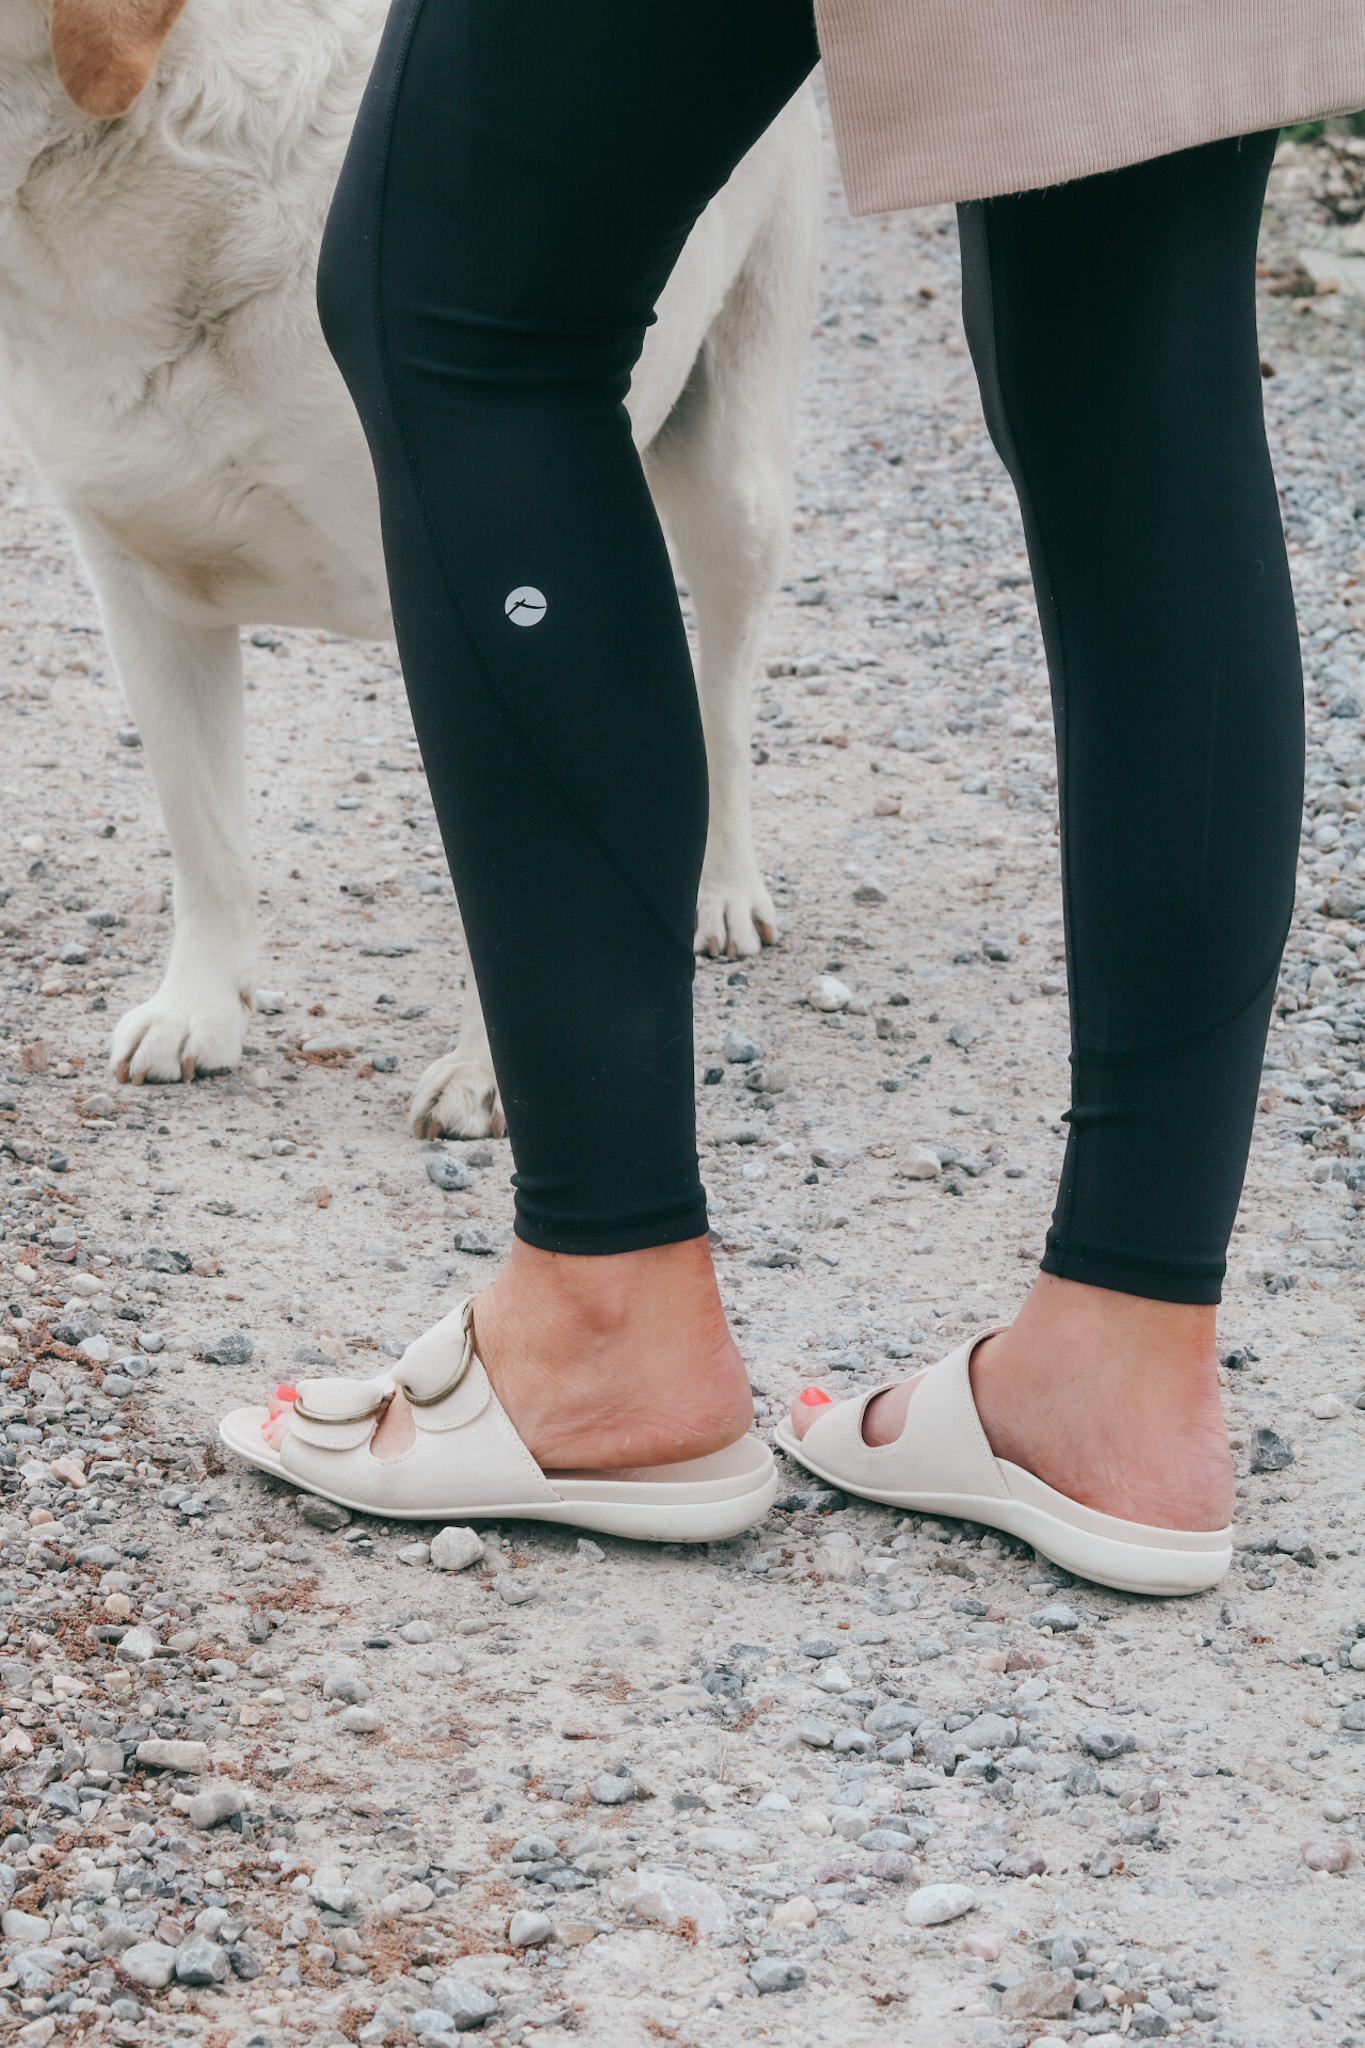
[[1112, 323], [521, 180]]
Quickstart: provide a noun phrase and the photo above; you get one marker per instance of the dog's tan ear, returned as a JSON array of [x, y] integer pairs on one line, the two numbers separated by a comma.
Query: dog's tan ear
[[106, 50]]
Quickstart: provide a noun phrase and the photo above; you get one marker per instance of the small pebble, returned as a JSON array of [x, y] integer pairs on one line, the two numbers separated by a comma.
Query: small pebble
[[447, 1172], [320, 1513], [609, 1790], [1060, 1618], [739, 1050], [453, 1549], [934, 1904], [529, 1930], [200, 1962], [1106, 1743], [1270, 1452], [1334, 1854], [360, 1720], [776, 1973], [827, 994]]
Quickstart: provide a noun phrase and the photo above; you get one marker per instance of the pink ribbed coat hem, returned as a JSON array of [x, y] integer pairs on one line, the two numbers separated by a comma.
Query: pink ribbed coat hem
[[961, 99]]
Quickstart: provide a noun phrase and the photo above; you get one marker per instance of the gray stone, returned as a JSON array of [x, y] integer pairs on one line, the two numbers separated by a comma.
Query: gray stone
[[776, 1973], [1270, 1452], [17, 1926], [453, 1549], [514, 1589], [417, 1632], [448, 1173], [234, 1347], [869, 890], [116, 1936], [172, 1755], [474, 1241], [36, 1968], [428, 2020], [468, 2004], [935, 1904], [1057, 1616], [103, 1756], [200, 1961], [246, 1964], [329, 1888], [816, 1734], [1353, 1717], [320, 1513], [612, 1790], [529, 1930], [360, 1720], [149, 1962], [819, 1647], [740, 1050], [535, 1849], [884, 1838], [1047, 1995], [1107, 1743], [139, 1646], [346, 1687], [102, 1554], [989, 1731], [215, 1804], [1148, 2023], [894, 1717]]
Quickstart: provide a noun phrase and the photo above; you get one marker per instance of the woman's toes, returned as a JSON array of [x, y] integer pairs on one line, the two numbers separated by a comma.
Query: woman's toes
[[806, 1407]]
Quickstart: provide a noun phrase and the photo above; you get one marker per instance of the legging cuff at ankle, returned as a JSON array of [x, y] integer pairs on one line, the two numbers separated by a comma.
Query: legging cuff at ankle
[[1192, 1285], [602, 1240]]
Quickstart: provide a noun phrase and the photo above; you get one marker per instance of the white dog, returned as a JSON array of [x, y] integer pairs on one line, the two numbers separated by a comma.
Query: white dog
[[165, 172]]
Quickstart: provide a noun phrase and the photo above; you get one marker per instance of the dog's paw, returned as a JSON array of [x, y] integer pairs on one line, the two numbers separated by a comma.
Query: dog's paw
[[457, 1097], [735, 915], [176, 1036]]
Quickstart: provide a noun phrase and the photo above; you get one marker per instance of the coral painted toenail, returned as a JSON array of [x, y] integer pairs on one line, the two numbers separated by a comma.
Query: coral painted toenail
[[285, 1393], [814, 1397]]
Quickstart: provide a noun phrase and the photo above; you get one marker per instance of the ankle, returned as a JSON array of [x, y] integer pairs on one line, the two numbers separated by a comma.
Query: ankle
[[607, 1300], [1113, 1400], [619, 1360]]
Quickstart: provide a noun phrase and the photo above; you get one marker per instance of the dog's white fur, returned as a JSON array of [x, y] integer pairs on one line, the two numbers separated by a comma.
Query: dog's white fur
[[160, 356]]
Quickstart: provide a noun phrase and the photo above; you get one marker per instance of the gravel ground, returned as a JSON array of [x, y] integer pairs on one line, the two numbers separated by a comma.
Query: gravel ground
[[268, 1779]]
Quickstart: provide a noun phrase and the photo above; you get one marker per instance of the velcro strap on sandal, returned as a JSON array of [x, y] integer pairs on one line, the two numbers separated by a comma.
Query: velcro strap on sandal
[[433, 1367], [338, 1414]]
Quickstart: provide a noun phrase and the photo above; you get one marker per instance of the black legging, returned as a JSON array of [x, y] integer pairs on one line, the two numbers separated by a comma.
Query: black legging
[[522, 177]]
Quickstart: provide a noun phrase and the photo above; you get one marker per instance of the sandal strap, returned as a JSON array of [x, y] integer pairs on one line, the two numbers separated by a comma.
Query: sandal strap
[[942, 1448], [340, 1401], [433, 1367]]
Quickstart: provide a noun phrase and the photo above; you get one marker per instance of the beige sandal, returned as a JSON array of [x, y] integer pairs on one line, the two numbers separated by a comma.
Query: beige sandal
[[941, 1464], [468, 1461]]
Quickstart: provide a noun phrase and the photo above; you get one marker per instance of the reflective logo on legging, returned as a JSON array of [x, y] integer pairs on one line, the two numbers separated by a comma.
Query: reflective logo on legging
[[525, 606]]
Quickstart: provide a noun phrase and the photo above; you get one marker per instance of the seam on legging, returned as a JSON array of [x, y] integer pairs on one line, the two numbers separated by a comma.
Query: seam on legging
[[1114, 1055], [576, 809], [1033, 533]]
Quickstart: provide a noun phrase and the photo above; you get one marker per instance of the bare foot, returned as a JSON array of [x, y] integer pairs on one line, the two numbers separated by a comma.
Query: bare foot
[[606, 1362], [1109, 1398]]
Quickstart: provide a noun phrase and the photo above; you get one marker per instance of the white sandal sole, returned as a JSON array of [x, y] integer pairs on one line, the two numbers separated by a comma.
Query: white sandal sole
[[942, 1464], [1129, 1556], [705, 1500]]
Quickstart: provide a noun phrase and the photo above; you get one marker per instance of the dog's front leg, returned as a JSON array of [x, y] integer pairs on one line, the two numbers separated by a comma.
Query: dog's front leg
[[457, 1096], [183, 685]]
